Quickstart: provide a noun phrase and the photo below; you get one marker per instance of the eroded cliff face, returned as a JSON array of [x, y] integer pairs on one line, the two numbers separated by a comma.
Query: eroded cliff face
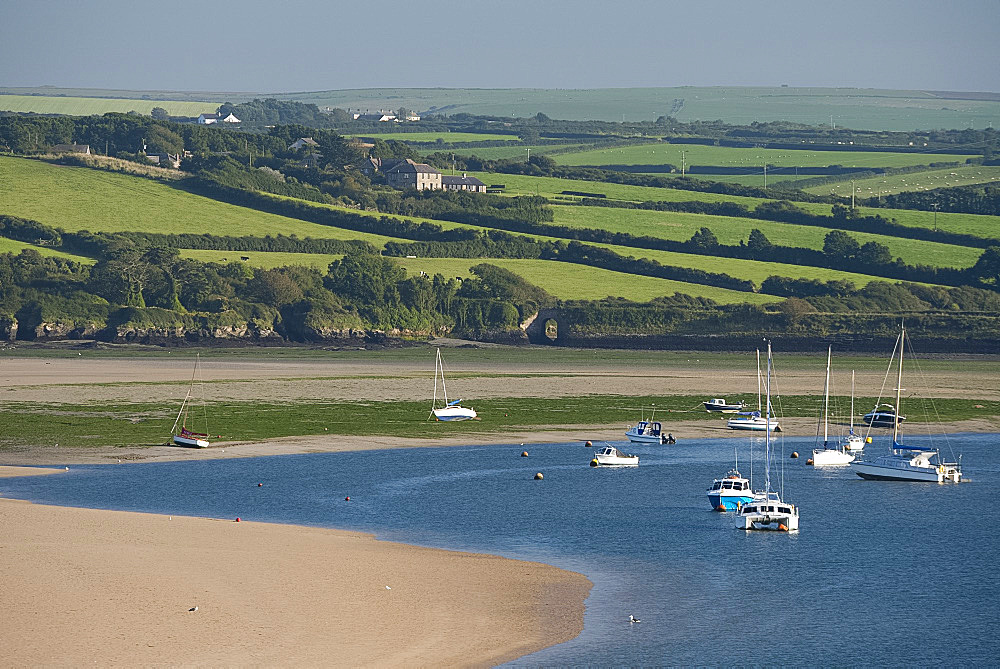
[[8, 328]]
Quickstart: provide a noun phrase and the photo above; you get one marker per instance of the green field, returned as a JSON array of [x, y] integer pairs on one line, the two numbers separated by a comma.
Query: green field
[[14, 246], [949, 177], [569, 281], [505, 152], [751, 159], [446, 137], [263, 259], [78, 198], [732, 230], [74, 106]]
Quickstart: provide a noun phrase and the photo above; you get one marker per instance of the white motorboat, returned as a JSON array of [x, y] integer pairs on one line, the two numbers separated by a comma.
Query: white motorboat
[[451, 411], [908, 463], [648, 432], [754, 420], [719, 405], [184, 436], [829, 454], [608, 455], [767, 511]]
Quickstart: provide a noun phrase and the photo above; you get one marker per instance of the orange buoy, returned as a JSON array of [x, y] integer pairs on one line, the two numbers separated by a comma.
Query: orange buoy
[[782, 528], [795, 454], [538, 476], [721, 508], [524, 454], [237, 519], [588, 444], [809, 461], [347, 499], [260, 485]]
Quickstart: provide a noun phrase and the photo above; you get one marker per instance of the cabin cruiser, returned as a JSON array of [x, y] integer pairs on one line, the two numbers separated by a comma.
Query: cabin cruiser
[[609, 455], [730, 492], [884, 415], [752, 420], [647, 432], [719, 405]]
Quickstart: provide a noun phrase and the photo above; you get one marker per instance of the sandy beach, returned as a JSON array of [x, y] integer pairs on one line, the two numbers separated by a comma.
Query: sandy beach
[[84, 587], [115, 588]]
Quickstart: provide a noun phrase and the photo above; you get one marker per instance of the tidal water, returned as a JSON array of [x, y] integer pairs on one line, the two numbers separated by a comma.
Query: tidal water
[[881, 573]]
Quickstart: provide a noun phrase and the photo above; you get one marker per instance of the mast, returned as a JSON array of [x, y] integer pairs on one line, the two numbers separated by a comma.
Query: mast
[[826, 397], [767, 428], [899, 387], [758, 380], [187, 398], [852, 401]]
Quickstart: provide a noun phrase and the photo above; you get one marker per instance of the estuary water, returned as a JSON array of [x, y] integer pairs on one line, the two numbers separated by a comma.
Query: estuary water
[[881, 573]]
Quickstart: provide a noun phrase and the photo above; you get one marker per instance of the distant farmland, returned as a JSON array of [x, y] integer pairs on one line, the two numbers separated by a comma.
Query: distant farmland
[[91, 106]]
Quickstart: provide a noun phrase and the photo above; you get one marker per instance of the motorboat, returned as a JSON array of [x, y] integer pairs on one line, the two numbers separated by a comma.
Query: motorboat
[[767, 511], [730, 492], [451, 411], [719, 405], [648, 432], [184, 436], [608, 455], [829, 454], [908, 463], [884, 415]]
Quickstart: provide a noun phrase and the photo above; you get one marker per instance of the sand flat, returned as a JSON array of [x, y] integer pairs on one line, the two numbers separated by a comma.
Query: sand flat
[[85, 587]]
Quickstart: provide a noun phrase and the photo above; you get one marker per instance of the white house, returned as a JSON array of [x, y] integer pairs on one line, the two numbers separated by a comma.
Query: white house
[[209, 119], [303, 141]]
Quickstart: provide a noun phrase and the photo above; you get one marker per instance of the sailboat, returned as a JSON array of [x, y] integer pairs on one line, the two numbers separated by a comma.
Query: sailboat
[[854, 441], [451, 411], [186, 437], [767, 511], [753, 420], [907, 463], [829, 455]]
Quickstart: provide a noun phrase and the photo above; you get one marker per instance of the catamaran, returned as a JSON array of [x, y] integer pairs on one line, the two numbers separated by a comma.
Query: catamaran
[[908, 463], [767, 511], [451, 411], [829, 454], [185, 437]]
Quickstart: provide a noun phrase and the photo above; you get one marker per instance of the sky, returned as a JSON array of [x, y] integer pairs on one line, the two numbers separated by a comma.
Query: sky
[[309, 45]]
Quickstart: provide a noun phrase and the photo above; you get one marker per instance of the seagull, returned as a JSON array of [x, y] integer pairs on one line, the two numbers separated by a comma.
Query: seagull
[[193, 608], [388, 588], [632, 619]]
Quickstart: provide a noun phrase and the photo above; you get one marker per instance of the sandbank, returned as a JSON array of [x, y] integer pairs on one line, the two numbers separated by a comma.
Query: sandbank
[[105, 588]]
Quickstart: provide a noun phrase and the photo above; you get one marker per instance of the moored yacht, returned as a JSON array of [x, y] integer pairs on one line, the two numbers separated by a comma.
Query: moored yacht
[[829, 454], [754, 420], [908, 463]]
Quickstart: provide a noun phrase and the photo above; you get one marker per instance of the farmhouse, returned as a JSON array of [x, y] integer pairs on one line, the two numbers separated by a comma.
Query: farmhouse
[[381, 117], [303, 141], [463, 182], [208, 119], [71, 148], [405, 174], [165, 159]]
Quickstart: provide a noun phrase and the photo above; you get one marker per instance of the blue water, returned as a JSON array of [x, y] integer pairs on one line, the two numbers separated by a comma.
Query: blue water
[[882, 573]]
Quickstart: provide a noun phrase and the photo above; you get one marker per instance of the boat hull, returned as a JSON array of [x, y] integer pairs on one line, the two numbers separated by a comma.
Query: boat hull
[[646, 439], [754, 424], [192, 442], [831, 456], [617, 461], [875, 472], [722, 408], [449, 414], [854, 443], [771, 522], [728, 502]]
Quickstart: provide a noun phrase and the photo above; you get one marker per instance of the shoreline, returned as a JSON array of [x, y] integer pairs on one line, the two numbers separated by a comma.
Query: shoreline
[[118, 588], [39, 456]]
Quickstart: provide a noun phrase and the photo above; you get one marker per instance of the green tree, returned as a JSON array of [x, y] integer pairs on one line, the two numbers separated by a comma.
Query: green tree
[[840, 246], [704, 239], [873, 253], [365, 278], [162, 140], [758, 243], [160, 114], [987, 268]]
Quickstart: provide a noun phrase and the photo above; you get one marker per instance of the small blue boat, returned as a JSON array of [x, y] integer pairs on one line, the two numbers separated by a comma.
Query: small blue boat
[[730, 492]]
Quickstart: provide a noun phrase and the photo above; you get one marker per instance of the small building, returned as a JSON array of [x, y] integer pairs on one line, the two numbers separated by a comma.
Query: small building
[[71, 148], [303, 141], [209, 119], [463, 182], [406, 174], [381, 117], [165, 159]]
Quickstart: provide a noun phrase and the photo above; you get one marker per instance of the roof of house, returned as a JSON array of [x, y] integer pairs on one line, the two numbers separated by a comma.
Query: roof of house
[[72, 148], [460, 180], [410, 166], [210, 116]]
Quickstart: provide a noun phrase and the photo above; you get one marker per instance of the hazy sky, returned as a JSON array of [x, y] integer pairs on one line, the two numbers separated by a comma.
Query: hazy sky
[[302, 45]]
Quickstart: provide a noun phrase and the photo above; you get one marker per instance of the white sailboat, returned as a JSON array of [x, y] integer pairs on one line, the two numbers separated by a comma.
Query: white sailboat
[[753, 420], [907, 463], [829, 455], [855, 442], [767, 511], [451, 411], [184, 436]]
